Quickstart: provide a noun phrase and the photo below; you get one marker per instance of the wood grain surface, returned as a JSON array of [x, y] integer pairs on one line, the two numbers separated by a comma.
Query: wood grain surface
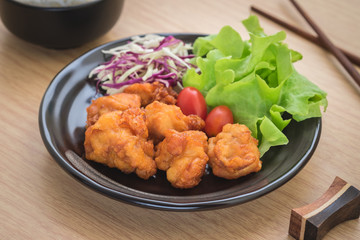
[[38, 200]]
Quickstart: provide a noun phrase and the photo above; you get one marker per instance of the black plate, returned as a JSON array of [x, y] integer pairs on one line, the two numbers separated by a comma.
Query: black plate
[[62, 119]]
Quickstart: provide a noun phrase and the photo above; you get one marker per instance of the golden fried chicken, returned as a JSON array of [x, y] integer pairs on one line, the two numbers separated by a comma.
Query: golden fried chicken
[[161, 117], [119, 139], [120, 101], [183, 156], [150, 92], [233, 153]]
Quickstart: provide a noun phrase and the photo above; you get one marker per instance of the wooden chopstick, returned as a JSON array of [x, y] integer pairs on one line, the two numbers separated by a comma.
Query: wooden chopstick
[[344, 61], [353, 58]]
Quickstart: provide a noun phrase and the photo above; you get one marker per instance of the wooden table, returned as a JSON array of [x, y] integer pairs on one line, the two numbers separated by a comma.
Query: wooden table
[[38, 200]]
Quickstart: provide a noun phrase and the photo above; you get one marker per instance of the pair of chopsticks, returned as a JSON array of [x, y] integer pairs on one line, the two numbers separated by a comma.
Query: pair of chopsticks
[[321, 39]]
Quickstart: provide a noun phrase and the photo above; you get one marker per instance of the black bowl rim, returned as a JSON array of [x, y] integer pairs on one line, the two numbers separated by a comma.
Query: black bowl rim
[[58, 9], [161, 204]]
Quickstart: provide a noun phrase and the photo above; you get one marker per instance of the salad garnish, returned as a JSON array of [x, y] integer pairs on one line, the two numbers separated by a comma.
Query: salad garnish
[[256, 79], [146, 58]]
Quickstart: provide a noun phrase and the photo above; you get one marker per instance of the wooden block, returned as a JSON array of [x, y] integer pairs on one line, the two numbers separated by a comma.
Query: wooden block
[[339, 203]]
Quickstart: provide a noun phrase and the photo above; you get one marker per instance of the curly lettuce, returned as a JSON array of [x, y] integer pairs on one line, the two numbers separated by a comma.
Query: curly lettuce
[[256, 79]]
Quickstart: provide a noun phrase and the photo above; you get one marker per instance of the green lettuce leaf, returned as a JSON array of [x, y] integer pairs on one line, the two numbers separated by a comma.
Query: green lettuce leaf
[[256, 79]]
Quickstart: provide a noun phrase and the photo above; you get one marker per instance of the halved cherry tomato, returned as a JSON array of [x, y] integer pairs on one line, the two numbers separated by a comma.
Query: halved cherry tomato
[[216, 119], [191, 101]]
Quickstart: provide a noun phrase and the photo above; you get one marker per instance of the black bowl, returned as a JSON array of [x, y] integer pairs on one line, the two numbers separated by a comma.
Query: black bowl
[[60, 27]]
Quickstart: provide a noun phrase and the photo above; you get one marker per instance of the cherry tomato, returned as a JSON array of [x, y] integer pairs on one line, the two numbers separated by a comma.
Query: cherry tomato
[[191, 101], [216, 119]]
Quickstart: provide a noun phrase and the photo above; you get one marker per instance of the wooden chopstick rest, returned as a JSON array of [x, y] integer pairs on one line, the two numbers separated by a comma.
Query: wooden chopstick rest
[[341, 202]]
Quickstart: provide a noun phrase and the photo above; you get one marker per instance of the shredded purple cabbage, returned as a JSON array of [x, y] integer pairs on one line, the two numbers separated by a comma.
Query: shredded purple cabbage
[[131, 66]]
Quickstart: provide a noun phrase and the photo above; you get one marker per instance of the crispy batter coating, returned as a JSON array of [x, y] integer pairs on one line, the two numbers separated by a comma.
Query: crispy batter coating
[[183, 156], [119, 139], [150, 92], [161, 117], [234, 153], [101, 105]]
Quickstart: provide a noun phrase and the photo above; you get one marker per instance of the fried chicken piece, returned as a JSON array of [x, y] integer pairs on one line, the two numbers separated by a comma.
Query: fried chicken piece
[[161, 117], [233, 152], [119, 139], [120, 101], [150, 92], [183, 156]]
